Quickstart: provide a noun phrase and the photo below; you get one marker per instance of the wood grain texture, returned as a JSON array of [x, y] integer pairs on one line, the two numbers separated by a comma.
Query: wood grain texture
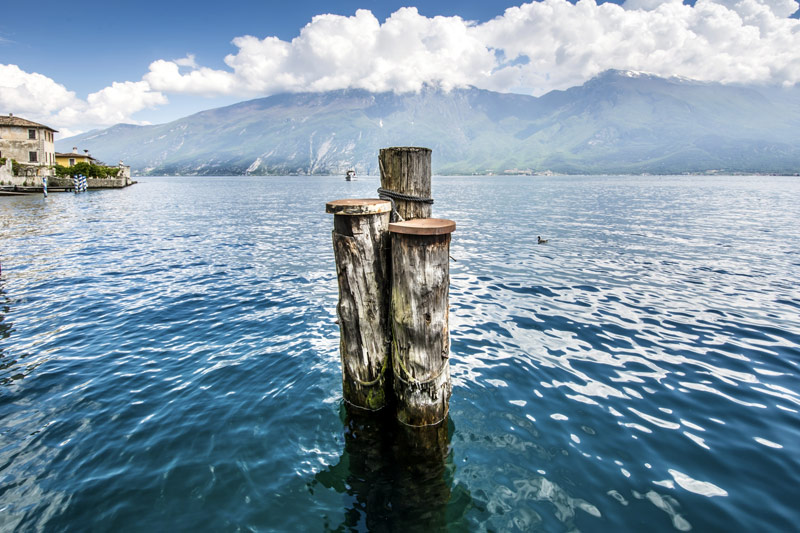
[[360, 246], [420, 330], [407, 170], [358, 206]]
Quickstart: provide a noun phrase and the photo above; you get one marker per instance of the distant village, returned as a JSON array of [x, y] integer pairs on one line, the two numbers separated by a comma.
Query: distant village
[[27, 154]]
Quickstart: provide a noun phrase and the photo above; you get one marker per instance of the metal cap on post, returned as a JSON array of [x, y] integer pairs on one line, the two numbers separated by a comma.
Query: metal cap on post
[[360, 243], [423, 226]]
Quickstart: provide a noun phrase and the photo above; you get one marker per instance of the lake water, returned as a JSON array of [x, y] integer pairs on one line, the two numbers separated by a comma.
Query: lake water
[[169, 360]]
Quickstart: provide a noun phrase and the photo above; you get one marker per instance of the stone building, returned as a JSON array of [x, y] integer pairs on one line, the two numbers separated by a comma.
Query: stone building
[[29, 143]]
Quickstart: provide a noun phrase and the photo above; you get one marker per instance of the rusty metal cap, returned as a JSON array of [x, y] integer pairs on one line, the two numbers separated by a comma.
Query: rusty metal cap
[[358, 206], [424, 226]]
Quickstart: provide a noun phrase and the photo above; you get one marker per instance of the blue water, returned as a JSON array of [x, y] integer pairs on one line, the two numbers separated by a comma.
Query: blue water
[[169, 360]]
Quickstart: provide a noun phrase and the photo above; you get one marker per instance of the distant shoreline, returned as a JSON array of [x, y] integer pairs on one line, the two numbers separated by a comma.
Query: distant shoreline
[[487, 175]]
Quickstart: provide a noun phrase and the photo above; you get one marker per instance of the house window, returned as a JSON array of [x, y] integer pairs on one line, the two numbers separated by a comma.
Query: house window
[[33, 157], [71, 161], [31, 134]]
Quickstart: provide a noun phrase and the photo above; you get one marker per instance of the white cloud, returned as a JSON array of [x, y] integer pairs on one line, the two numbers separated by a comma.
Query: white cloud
[[337, 52], [41, 99], [779, 8], [32, 93], [564, 44], [119, 101], [166, 76], [187, 61], [532, 48]]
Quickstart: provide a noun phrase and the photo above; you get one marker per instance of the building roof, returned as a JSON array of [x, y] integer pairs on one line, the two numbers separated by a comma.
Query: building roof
[[11, 120], [73, 154]]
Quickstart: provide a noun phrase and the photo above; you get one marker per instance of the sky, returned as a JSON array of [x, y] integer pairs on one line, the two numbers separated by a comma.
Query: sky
[[91, 64]]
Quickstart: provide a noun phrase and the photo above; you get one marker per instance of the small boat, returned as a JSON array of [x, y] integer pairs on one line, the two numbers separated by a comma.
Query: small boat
[[350, 175]]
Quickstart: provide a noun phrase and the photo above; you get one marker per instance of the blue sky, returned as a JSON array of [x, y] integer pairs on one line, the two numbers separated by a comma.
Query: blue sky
[[133, 34], [88, 64]]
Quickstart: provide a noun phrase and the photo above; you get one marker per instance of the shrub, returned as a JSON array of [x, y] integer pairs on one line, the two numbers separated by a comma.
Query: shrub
[[89, 170]]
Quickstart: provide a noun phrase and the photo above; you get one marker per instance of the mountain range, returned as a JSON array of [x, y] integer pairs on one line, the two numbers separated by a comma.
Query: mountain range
[[617, 122]]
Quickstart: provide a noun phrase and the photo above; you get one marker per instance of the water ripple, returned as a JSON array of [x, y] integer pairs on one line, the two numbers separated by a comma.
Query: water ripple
[[169, 359]]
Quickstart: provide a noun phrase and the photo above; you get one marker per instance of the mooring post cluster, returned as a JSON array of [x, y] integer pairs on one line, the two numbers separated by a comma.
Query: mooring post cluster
[[392, 265]]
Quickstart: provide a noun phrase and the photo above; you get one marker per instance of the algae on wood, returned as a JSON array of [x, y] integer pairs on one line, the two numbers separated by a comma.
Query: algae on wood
[[420, 331], [360, 245]]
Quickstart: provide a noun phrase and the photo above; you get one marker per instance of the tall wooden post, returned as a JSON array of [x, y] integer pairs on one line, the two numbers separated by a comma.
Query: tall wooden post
[[419, 319], [360, 243], [407, 170], [420, 289]]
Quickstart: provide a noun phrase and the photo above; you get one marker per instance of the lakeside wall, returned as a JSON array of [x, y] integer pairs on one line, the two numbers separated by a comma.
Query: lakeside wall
[[108, 183], [91, 183], [8, 178]]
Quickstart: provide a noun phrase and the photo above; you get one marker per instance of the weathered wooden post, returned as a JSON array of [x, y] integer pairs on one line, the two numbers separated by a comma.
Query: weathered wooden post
[[420, 288], [419, 319], [360, 243], [406, 172]]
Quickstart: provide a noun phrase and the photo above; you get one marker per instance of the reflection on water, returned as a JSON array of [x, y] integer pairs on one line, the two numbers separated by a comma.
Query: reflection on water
[[5, 327], [639, 353], [169, 360], [5, 331], [396, 477], [11, 368]]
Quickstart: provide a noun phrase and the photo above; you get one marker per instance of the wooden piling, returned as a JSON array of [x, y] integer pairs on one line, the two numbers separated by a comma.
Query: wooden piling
[[419, 319], [360, 242], [407, 170]]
